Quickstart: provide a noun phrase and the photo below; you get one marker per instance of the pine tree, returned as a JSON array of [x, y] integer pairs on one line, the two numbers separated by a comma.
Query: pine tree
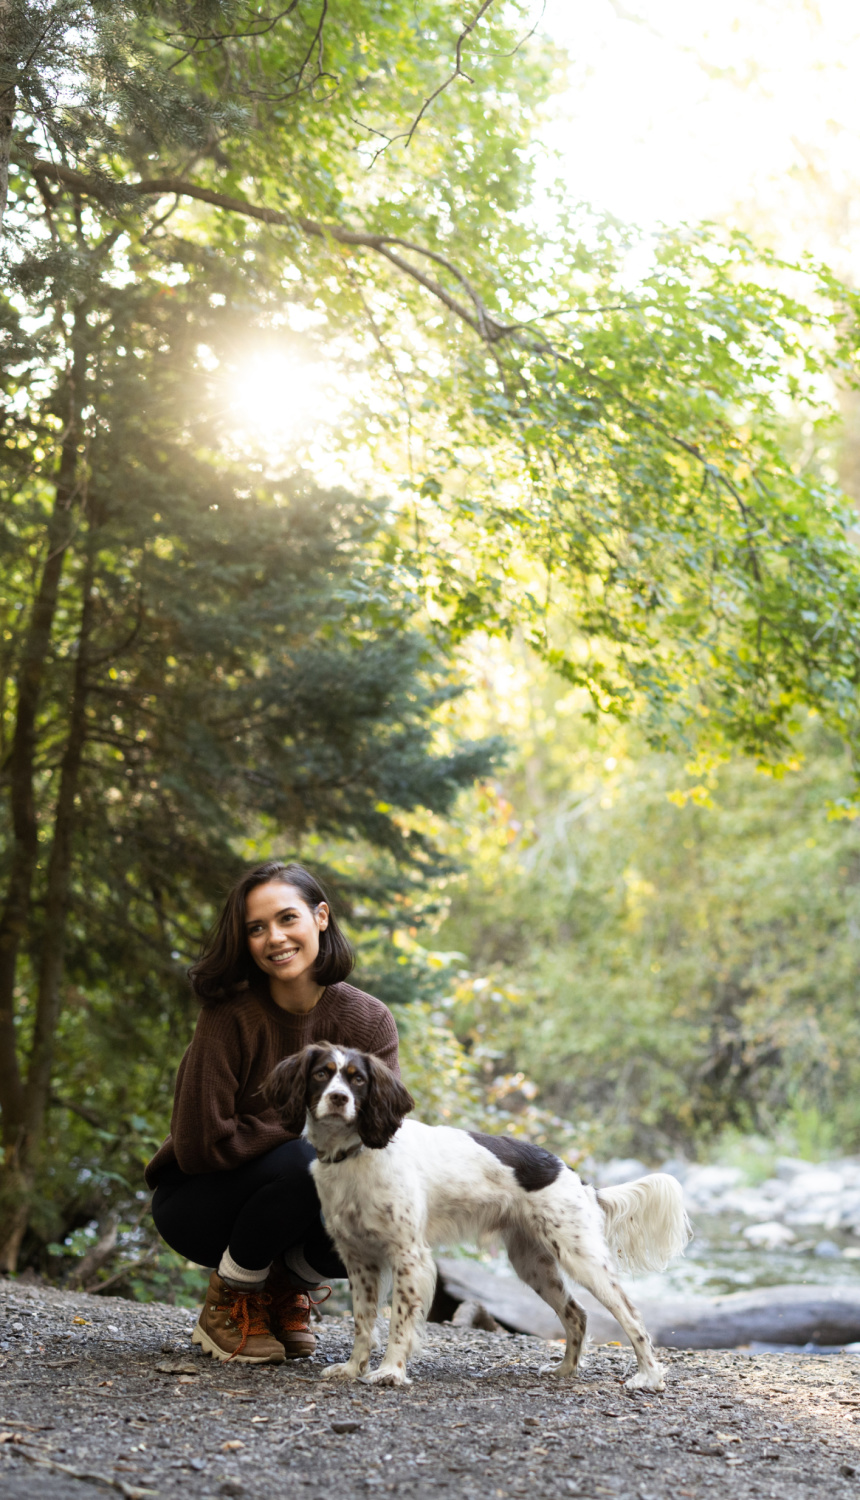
[[202, 655]]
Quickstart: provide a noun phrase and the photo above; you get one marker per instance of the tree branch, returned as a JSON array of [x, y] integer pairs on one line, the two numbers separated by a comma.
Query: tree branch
[[407, 135], [151, 187]]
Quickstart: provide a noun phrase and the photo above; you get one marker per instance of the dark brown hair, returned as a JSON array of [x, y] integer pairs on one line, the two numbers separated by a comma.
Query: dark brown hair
[[225, 967]]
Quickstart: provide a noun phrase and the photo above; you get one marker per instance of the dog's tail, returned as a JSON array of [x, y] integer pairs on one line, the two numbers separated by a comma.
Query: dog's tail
[[645, 1222]]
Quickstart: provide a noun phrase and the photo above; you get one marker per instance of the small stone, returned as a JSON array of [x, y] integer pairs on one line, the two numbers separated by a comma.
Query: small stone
[[345, 1426], [847, 1471], [197, 1463], [232, 1487], [827, 1250], [177, 1367]]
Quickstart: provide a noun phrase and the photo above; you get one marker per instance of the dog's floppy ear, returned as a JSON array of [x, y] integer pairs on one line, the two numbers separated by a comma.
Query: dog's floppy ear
[[286, 1088], [381, 1113]]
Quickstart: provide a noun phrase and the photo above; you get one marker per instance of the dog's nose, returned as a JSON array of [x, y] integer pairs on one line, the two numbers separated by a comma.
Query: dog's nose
[[338, 1098]]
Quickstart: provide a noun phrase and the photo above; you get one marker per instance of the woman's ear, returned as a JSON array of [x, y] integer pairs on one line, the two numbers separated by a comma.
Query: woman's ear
[[286, 1088], [381, 1114]]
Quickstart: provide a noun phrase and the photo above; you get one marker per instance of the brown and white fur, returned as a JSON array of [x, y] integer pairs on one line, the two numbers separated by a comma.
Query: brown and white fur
[[391, 1188]]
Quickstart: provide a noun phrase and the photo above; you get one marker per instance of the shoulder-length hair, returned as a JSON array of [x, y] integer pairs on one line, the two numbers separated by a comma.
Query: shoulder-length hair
[[225, 967]]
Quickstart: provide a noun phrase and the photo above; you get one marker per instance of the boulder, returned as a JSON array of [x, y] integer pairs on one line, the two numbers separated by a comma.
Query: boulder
[[704, 1186], [620, 1169], [769, 1236]]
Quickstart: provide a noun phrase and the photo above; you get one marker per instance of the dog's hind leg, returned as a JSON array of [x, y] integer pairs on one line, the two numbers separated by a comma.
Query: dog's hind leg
[[414, 1275], [364, 1285], [536, 1265], [598, 1279]]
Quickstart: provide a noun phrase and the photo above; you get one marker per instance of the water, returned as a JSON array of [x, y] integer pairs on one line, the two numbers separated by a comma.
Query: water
[[719, 1260]]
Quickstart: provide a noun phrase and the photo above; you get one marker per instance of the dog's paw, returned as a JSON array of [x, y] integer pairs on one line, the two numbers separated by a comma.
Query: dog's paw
[[345, 1372], [559, 1367], [647, 1380], [388, 1377]]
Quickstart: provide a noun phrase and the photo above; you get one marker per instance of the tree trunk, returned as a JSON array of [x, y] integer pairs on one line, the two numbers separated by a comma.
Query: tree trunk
[[37, 1090], [7, 102], [14, 918]]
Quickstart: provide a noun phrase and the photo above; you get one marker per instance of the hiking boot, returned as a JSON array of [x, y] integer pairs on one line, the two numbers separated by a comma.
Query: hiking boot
[[291, 1314], [235, 1325]]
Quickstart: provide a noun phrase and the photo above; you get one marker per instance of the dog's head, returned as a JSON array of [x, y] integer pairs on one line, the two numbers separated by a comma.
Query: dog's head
[[333, 1087]]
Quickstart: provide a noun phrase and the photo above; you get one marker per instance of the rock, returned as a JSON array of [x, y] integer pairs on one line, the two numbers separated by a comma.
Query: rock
[[769, 1236], [472, 1314], [704, 1185], [232, 1487], [620, 1169], [827, 1250], [814, 1198], [345, 1426], [816, 1184], [753, 1203], [676, 1166], [849, 1210], [177, 1367], [788, 1167]]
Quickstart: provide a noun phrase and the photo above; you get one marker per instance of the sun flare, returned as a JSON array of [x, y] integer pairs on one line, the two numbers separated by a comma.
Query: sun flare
[[277, 393]]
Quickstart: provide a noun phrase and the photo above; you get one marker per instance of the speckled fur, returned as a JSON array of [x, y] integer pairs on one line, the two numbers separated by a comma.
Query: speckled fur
[[431, 1185]]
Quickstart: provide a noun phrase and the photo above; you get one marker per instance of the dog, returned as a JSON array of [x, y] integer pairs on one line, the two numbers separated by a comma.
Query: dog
[[391, 1188]]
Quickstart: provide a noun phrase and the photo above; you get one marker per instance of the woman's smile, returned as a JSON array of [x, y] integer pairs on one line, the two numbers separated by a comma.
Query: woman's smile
[[284, 956]]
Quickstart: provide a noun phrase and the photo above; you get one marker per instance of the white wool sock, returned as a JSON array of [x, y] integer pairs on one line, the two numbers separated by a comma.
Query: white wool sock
[[296, 1264], [237, 1276]]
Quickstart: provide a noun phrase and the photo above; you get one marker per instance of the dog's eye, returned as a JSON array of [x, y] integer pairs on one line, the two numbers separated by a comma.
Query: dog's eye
[[321, 1073]]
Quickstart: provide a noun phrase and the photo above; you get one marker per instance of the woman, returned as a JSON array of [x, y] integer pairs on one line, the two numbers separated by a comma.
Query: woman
[[232, 1187]]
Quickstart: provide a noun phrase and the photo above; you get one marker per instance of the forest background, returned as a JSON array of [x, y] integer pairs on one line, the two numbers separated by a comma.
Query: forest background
[[371, 500]]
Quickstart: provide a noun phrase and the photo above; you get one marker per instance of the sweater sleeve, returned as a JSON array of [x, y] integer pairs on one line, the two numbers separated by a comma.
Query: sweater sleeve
[[208, 1135], [384, 1042]]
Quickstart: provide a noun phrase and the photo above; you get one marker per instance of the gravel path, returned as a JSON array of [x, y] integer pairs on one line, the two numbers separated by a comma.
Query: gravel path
[[98, 1394]]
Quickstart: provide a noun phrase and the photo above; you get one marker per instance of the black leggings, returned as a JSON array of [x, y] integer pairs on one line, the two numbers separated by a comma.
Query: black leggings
[[257, 1211]]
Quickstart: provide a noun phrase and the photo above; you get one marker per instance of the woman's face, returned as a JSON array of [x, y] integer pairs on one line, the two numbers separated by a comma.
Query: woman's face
[[282, 931]]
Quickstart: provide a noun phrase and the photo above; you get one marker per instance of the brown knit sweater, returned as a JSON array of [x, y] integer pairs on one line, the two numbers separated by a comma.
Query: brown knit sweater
[[219, 1120]]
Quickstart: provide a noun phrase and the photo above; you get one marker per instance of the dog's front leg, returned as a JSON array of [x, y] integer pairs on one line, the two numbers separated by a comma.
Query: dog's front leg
[[411, 1294], [364, 1286]]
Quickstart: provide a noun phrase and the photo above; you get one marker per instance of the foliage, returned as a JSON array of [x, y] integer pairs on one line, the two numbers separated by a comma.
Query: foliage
[[592, 440], [581, 429], [671, 952], [215, 656]]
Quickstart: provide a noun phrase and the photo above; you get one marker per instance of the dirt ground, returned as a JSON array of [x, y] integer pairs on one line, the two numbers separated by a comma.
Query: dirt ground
[[98, 1393]]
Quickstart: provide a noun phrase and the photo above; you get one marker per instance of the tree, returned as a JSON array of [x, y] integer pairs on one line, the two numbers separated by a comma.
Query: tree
[[670, 957], [619, 448], [602, 459], [193, 653]]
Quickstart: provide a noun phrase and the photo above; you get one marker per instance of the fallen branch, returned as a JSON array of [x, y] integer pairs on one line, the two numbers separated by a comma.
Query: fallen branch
[[130, 1491], [96, 1287], [98, 1253]]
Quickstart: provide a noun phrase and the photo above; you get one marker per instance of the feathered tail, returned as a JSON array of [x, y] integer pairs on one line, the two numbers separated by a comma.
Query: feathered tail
[[645, 1222]]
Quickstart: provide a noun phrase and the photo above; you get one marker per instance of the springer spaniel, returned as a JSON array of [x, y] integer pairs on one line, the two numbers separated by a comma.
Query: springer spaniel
[[390, 1189]]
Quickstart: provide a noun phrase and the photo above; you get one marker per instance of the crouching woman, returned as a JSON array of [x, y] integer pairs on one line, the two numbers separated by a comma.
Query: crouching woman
[[233, 1189]]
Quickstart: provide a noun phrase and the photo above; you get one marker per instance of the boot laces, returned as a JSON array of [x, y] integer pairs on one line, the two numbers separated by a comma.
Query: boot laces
[[248, 1310], [294, 1308]]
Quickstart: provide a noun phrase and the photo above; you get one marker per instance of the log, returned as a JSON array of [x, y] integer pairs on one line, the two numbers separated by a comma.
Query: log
[[793, 1315]]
